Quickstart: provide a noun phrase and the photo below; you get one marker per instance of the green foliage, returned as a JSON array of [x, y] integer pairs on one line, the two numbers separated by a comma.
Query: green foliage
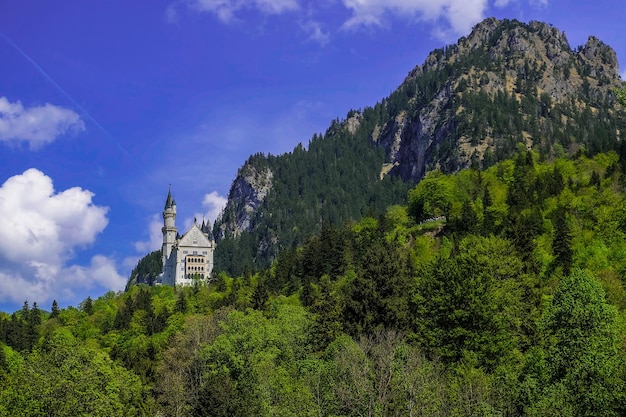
[[147, 269], [54, 312], [251, 367], [68, 378], [431, 198], [87, 306], [472, 314], [562, 242], [620, 94], [470, 302], [579, 370]]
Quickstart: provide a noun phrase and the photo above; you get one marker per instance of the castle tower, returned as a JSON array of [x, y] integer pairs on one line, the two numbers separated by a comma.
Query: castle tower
[[169, 232]]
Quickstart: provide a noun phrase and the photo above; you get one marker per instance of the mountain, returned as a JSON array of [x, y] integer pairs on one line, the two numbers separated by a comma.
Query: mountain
[[507, 85]]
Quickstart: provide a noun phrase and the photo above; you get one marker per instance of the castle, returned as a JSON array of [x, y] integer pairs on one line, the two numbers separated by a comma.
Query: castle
[[188, 258]]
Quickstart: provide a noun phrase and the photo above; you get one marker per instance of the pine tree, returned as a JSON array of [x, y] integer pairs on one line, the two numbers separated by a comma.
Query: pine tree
[[328, 312], [489, 221], [181, 303], [32, 325], [562, 241], [260, 295], [54, 313], [87, 306]]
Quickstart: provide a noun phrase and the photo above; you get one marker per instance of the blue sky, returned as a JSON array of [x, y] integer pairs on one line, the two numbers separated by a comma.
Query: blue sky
[[104, 104]]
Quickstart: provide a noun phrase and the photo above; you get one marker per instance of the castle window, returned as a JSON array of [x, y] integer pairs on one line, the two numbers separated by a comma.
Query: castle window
[[185, 251], [195, 242]]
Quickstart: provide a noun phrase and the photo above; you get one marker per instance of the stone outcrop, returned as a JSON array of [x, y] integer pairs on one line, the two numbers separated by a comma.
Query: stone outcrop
[[246, 194], [536, 53]]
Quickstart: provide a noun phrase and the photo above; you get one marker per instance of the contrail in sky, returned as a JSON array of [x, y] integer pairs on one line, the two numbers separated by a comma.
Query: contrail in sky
[[84, 111]]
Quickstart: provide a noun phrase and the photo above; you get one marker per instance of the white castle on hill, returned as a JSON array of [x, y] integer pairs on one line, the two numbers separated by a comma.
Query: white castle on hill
[[187, 258]]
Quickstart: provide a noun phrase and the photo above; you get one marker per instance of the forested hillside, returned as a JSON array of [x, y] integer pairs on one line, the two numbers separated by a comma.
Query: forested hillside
[[468, 105], [495, 292]]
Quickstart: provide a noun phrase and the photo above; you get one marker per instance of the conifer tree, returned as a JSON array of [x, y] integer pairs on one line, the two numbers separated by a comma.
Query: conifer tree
[[328, 311], [562, 242], [87, 306], [579, 372], [181, 303], [32, 325], [54, 313], [260, 295]]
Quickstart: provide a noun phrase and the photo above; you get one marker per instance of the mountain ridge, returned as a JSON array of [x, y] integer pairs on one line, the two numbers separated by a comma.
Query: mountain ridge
[[469, 104]]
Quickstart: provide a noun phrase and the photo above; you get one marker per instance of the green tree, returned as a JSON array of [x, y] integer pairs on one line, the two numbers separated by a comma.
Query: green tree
[[328, 312], [470, 302], [33, 323], [251, 368], [260, 295], [579, 371], [522, 190], [87, 306], [432, 197], [181, 303], [562, 241], [54, 312]]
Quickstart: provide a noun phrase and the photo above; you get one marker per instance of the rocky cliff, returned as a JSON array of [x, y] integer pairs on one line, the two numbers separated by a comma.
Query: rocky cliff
[[246, 195], [531, 67]]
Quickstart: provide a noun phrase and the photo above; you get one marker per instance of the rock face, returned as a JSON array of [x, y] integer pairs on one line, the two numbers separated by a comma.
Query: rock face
[[499, 57], [244, 198]]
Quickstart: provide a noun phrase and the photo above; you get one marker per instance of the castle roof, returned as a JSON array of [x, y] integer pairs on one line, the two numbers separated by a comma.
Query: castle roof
[[169, 202], [206, 227]]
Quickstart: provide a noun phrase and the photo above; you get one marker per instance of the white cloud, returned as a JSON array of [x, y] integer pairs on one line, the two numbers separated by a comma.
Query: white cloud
[[315, 32], [40, 229], [226, 10], [156, 236], [460, 15], [39, 225], [36, 125], [450, 18], [60, 283], [101, 271], [213, 203]]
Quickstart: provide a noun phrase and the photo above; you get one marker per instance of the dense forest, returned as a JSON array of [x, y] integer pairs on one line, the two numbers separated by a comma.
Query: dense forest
[[489, 292]]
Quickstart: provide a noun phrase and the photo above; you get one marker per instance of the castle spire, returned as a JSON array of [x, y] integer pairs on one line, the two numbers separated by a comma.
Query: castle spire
[[169, 202]]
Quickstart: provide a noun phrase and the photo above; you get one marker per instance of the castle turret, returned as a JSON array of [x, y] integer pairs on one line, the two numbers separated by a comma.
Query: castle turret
[[169, 228], [206, 229]]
